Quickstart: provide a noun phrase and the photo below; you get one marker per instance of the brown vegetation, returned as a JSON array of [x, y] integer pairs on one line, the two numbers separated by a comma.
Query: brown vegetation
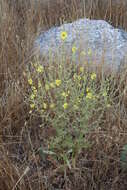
[[20, 136], [55, 11]]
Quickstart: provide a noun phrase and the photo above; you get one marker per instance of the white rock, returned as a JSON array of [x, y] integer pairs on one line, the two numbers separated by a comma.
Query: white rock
[[96, 41]]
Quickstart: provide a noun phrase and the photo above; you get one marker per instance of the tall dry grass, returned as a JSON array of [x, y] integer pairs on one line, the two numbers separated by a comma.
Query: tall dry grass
[[19, 137]]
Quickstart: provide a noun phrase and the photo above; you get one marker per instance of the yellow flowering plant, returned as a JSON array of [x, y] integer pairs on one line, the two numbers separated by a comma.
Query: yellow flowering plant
[[74, 49], [66, 97]]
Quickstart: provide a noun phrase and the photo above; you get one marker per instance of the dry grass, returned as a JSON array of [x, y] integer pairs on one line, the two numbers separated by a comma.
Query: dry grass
[[97, 168]]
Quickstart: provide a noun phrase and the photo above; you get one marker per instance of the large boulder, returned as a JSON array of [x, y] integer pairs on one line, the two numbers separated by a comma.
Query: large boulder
[[88, 41]]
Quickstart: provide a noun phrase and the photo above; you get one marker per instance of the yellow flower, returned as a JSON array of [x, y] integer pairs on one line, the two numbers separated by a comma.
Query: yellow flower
[[30, 81], [64, 94], [52, 105], [58, 82], [44, 105], [81, 69], [87, 89], [74, 49], [105, 94], [63, 35], [65, 105], [47, 87], [34, 90], [52, 85], [93, 76], [40, 69], [89, 95], [32, 106]]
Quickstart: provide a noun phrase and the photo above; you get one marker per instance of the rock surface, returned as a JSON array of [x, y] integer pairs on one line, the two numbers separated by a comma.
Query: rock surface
[[95, 42]]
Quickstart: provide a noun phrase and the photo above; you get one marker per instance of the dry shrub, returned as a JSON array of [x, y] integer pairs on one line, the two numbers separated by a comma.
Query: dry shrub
[[11, 177], [7, 173]]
